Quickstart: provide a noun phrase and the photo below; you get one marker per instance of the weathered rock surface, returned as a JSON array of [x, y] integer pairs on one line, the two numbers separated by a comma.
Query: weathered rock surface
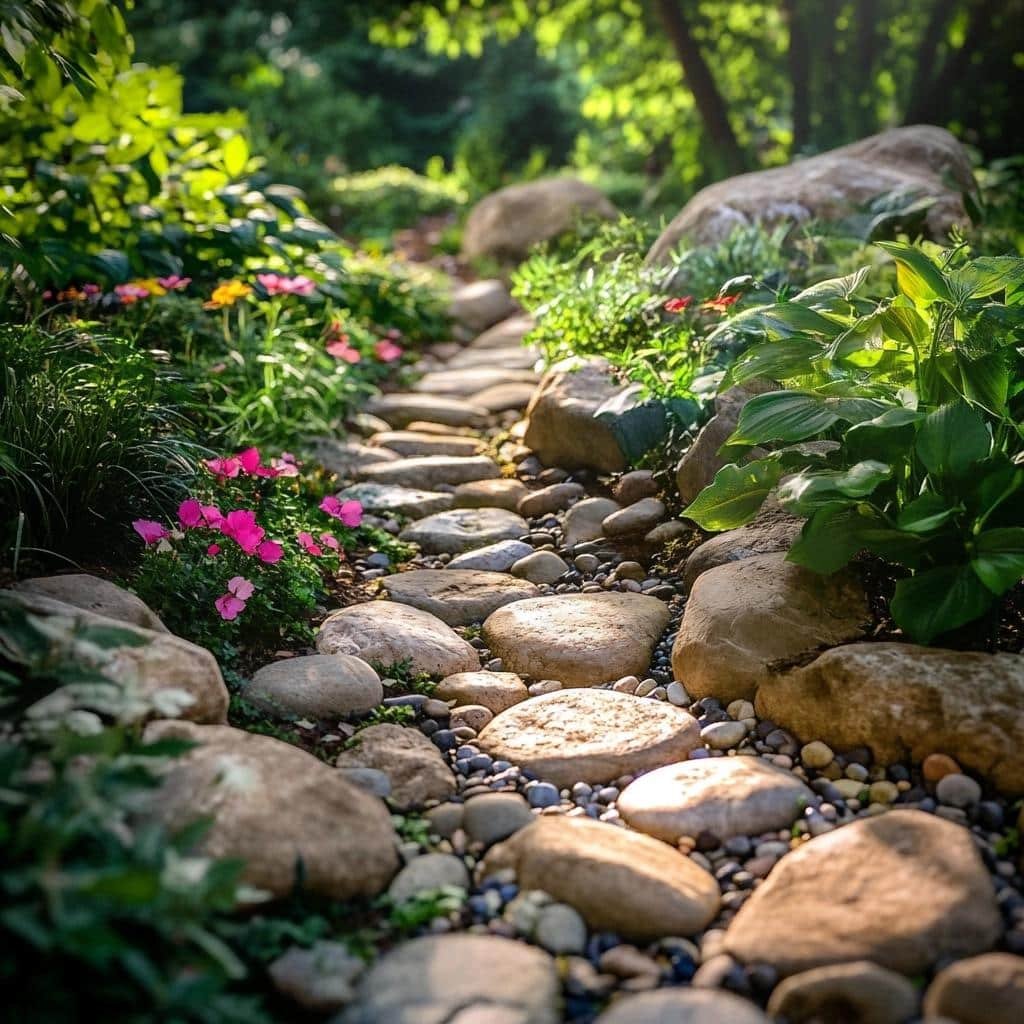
[[276, 807], [579, 639], [386, 633], [346, 458], [540, 567], [922, 159], [504, 397], [514, 356], [468, 380], [584, 520], [319, 979], [427, 872], [639, 517], [457, 596], [93, 594], [498, 557], [503, 493], [617, 880], [682, 1006], [903, 889], [563, 430], [458, 979], [508, 333], [417, 770], [987, 989], [742, 616], [428, 471], [553, 498], [464, 529], [725, 796], [389, 499], [412, 443], [402, 410], [631, 487], [315, 686], [496, 691], [590, 735], [902, 699], [507, 223], [491, 817], [481, 304]]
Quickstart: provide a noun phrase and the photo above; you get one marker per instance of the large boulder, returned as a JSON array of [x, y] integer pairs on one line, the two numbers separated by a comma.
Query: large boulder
[[903, 889], [506, 224], [562, 428], [919, 159], [287, 815], [93, 594], [900, 698], [744, 616]]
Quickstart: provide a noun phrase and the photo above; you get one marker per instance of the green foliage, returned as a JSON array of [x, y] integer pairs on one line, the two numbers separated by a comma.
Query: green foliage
[[409, 917]]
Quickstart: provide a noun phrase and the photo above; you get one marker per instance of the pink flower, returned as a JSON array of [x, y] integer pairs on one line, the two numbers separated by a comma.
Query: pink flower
[[341, 349], [213, 549], [211, 516], [223, 469], [285, 466], [330, 541], [240, 526], [129, 293], [270, 552], [387, 351], [229, 606], [91, 289], [240, 587], [277, 284], [249, 460], [150, 531], [349, 512], [174, 283], [309, 545], [190, 514], [394, 334]]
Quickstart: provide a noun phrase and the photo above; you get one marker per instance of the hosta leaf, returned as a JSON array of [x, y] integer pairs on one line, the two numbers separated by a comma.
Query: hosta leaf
[[836, 532], [935, 601], [807, 491], [916, 275], [833, 288], [735, 495], [999, 558], [782, 416], [986, 381], [776, 360], [926, 513], [952, 439]]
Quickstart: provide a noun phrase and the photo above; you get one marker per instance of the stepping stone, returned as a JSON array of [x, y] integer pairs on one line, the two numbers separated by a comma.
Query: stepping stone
[[316, 686], [392, 499], [425, 873], [504, 397], [860, 991], [742, 616], [499, 557], [480, 304], [465, 382], [579, 639], [413, 443], [724, 796], [682, 1006], [518, 357], [496, 691], [905, 889], [584, 521], [271, 805], [619, 881], [641, 516], [900, 698], [415, 767], [553, 498], [503, 493], [463, 529], [987, 989], [93, 594], [540, 567], [346, 458], [386, 633], [444, 429], [510, 331], [458, 597], [400, 410], [458, 979], [590, 735], [430, 470]]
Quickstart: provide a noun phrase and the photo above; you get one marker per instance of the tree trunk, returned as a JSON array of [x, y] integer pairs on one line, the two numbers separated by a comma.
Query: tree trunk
[[709, 100], [799, 57], [928, 52]]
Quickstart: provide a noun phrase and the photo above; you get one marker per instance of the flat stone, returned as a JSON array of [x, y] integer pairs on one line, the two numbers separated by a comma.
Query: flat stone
[[499, 557], [386, 633], [560, 930], [619, 881], [458, 979], [665, 533], [540, 567], [370, 779], [633, 486], [861, 991], [584, 520], [491, 817], [430, 470], [987, 989], [93, 594], [724, 796], [464, 529], [552, 498], [682, 1006], [501, 493], [426, 873], [513, 396], [468, 380], [743, 616], [579, 639], [480, 304], [509, 357], [417, 771], [904, 889], [346, 458], [274, 807], [441, 429], [590, 735], [496, 691], [412, 443], [458, 597], [641, 516], [504, 334], [392, 500], [899, 699], [320, 979], [315, 686], [400, 410]]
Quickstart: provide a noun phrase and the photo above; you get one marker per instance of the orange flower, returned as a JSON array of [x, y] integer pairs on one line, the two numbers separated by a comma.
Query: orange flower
[[227, 294]]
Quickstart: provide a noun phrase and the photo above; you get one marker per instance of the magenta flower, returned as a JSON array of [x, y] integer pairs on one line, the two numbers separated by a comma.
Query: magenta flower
[[150, 531], [211, 516], [229, 606], [309, 545], [330, 541], [213, 549], [349, 512], [240, 587], [387, 351], [285, 465], [249, 460], [240, 526], [341, 349], [270, 552], [129, 293], [174, 283], [278, 284], [192, 514], [92, 289], [223, 469]]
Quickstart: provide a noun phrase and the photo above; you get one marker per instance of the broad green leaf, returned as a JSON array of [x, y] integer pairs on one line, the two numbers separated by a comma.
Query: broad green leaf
[[735, 495], [236, 155], [833, 288], [776, 360], [904, 325], [916, 275], [938, 600], [952, 439], [782, 320], [999, 558], [835, 532], [806, 491], [782, 416], [925, 513], [986, 381], [987, 275]]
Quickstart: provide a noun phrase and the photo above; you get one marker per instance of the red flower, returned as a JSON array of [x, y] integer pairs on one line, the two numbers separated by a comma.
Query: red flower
[[678, 305], [722, 304]]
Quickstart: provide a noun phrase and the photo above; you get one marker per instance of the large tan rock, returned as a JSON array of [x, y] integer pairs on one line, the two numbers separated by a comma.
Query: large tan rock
[[503, 493], [401, 410], [617, 880], [579, 639], [743, 616], [315, 686], [682, 1006], [457, 596], [506, 224], [903, 889], [585, 520], [919, 158], [496, 691], [94, 594], [480, 304], [464, 529], [590, 735], [284, 813], [562, 429], [428, 471], [902, 698], [987, 989], [513, 396], [386, 632]]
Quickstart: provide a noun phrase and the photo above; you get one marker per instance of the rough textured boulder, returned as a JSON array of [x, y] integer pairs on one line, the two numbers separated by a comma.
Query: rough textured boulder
[[562, 429], [590, 735], [464, 529], [457, 596], [278, 809], [387, 633], [903, 889], [481, 304], [93, 594], [743, 616], [617, 880], [496, 691], [682, 1006], [901, 699], [578, 639], [315, 686], [428, 471], [922, 159], [506, 224], [986, 989], [458, 979]]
